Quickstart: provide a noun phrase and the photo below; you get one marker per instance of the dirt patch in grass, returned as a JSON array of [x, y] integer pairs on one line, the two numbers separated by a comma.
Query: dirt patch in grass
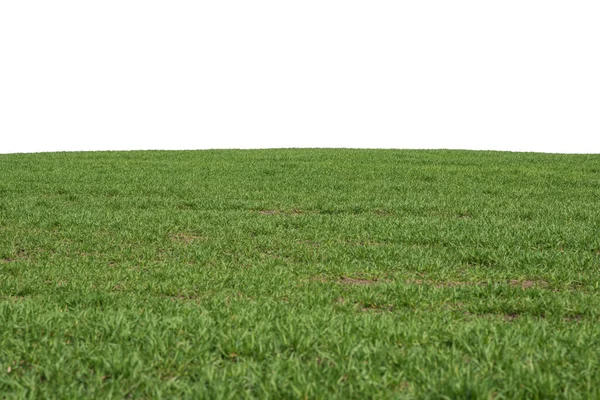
[[319, 278], [268, 212], [20, 255], [376, 308], [346, 280], [510, 317], [325, 362], [451, 284], [293, 211], [523, 284], [573, 318], [444, 284], [16, 299], [506, 316], [404, 386], [187, 238]]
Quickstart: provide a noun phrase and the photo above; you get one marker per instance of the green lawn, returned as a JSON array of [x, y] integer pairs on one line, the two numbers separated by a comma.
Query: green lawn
[[300, 273]]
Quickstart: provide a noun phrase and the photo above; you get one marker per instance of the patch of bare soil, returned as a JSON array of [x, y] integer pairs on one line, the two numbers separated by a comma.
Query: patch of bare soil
[[444, 284], [450, 284], [376, 308], [186, 238], [325, 362], [383, 212], [403, 386], [510, 317], [346, 280], [268, 212], [523, 284], [293, 211], [21, 255], [16, 299], [573, 318]]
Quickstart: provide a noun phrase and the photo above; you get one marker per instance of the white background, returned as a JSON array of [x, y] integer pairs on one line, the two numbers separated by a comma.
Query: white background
[[124, 74]]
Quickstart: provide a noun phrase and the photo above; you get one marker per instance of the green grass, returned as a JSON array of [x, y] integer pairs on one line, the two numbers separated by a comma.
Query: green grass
[[300, 273]]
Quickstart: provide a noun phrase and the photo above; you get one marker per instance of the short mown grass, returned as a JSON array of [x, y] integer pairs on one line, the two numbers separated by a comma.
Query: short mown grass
[[300, 273]]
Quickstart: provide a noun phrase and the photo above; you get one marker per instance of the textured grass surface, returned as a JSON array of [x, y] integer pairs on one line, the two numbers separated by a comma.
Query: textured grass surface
[[293, 273]]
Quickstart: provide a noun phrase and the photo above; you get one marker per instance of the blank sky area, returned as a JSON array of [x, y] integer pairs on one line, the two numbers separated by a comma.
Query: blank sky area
[[120, 75]]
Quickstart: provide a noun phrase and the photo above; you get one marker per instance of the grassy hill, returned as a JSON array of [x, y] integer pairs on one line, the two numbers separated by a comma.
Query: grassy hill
[[300, 273]]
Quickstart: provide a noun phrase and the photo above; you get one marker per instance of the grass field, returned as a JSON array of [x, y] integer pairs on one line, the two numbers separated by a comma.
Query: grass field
[[300, 273]]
